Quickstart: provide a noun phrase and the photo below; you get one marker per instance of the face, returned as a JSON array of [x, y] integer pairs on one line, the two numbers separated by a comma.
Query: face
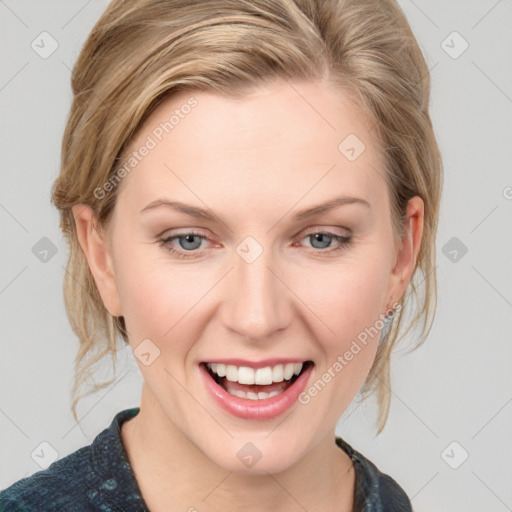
[[250, 270]]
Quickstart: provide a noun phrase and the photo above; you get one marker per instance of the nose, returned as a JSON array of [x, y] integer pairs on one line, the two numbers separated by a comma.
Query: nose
[[256, 303]]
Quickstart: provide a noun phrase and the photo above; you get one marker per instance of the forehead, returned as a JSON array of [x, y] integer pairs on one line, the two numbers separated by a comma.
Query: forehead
[[281, 140]]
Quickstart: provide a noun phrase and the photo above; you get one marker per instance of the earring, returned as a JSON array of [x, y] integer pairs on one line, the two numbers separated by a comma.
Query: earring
[[390, 313], [386, 323]]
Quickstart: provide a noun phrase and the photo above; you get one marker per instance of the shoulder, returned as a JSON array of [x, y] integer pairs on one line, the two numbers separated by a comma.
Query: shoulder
[[374, 490], [84, 480], [63, 481]]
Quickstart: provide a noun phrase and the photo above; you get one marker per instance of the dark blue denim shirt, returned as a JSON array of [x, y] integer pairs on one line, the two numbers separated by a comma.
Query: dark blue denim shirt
[[98, 477]]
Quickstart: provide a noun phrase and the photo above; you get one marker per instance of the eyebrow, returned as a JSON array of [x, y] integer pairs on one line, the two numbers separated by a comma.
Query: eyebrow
[[205, 214]]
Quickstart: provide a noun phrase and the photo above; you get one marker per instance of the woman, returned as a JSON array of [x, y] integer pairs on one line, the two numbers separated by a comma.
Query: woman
[[248, 190]]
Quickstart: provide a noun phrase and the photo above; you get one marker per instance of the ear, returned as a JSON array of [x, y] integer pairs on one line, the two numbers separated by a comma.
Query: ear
[[94, 245], [407, 254]]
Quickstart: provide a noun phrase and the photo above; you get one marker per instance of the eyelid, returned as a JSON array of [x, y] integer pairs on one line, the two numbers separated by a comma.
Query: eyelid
[[342, 240], [182, 234], [163, 241], [330, 230], [170, 232], [199, 232]]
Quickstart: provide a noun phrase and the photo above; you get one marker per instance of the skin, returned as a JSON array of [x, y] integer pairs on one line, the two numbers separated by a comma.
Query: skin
[[254, 162]]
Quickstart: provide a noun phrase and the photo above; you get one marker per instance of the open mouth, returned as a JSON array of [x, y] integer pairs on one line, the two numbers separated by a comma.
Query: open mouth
[[260, 384]]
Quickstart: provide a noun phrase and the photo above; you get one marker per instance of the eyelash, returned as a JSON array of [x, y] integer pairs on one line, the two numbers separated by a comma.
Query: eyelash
[[344, 242]]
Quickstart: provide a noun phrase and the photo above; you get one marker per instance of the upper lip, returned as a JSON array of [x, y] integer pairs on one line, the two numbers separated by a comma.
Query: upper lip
[[257, 364]]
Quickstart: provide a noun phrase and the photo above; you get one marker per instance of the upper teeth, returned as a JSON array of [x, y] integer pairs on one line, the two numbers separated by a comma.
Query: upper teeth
[[261, 376]]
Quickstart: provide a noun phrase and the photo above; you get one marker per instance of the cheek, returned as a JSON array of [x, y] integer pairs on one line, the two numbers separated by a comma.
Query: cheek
[[161, 299], [160, 302], [348, 300], [157, 297], [348, 297]]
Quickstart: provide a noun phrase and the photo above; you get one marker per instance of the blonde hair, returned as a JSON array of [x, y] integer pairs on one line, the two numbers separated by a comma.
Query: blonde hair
[[139, 53]]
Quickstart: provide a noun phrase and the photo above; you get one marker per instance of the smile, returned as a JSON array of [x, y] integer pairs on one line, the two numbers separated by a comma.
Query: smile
[[256, 393]]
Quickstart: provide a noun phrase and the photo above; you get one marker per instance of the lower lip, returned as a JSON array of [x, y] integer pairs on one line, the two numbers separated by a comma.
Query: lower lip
[[266, 409]]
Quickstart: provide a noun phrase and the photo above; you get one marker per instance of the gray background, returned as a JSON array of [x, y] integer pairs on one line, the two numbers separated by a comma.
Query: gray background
[[456, 388]]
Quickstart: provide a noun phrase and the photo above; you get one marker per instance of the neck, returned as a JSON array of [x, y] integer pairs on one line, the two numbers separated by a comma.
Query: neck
[[173, 474]]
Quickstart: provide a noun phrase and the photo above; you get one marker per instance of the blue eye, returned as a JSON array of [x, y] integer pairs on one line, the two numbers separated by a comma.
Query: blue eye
[[325, 238], [190, 245], [190, 242]]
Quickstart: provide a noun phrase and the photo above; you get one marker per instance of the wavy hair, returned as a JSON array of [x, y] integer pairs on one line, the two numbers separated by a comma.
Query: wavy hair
[[140, 53]]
